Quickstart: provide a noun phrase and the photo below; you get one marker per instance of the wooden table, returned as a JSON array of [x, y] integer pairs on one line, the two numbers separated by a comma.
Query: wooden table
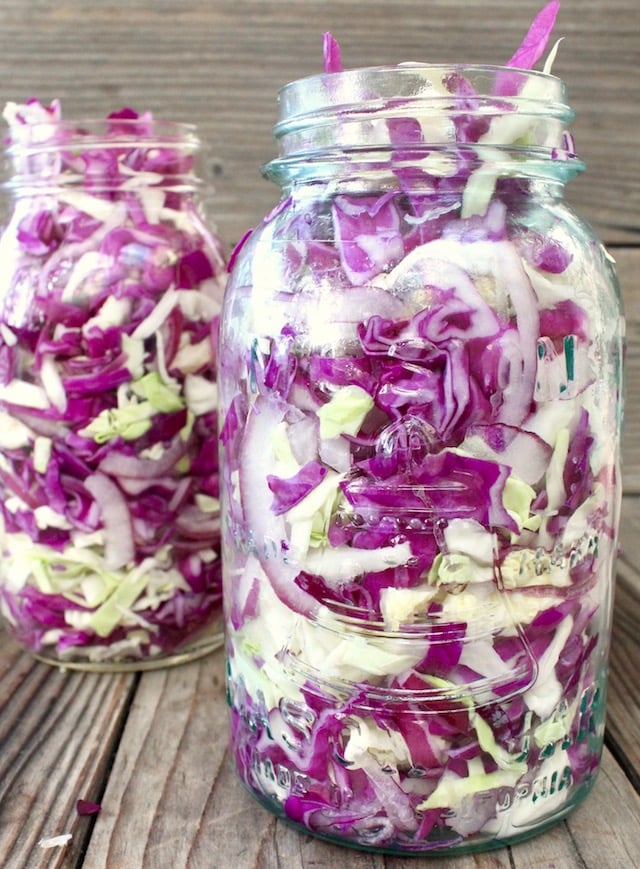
[[151, 748]]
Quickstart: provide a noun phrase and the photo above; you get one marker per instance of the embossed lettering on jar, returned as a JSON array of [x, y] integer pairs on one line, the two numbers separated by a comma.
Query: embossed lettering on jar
[[110, 292], [420, 402]]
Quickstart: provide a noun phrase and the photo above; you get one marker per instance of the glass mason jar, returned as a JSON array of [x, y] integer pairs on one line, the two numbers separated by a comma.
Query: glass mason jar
[[420, 403], [110, 292]]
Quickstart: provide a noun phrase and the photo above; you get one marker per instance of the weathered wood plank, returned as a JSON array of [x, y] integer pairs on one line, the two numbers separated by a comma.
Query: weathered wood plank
[[220, 65], [603, 831], [57, 735], [628, 268], [159, 790], [606, 827], [623, 716]]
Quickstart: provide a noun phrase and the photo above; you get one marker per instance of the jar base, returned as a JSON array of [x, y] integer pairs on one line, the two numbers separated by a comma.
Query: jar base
[[205, 643], [453, 847]]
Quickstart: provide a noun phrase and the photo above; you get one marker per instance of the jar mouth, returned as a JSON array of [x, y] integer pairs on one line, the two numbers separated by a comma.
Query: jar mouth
[[424, 105]]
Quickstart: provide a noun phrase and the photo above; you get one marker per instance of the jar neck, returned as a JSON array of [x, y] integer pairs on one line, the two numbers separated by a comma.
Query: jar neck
[[102, 156], [430, 126]]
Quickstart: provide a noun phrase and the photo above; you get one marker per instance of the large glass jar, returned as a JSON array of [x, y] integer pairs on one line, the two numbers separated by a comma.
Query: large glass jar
[[110, 292], [420, 406]]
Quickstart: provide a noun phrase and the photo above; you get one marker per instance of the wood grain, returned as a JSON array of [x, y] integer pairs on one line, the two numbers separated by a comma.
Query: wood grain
[[159, 790], [220, 64], [606, 829], [628, 268], [623, 717], [593, 836], [57, 734]]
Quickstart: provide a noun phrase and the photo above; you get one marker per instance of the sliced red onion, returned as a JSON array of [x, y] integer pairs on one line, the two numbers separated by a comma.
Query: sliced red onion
[[119, 545], [524, 452], [125, 465], [268, 530]]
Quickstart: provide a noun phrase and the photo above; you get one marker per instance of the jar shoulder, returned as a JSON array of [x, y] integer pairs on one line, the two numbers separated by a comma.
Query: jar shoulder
[[371, 239]]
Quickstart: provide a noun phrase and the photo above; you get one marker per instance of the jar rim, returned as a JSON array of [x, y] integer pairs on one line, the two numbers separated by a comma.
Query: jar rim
[[511, 115], [374, 87], [49, 154], [52, 135]]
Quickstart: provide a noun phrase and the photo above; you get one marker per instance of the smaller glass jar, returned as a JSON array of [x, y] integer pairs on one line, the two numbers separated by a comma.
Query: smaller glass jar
[[110, 290]]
